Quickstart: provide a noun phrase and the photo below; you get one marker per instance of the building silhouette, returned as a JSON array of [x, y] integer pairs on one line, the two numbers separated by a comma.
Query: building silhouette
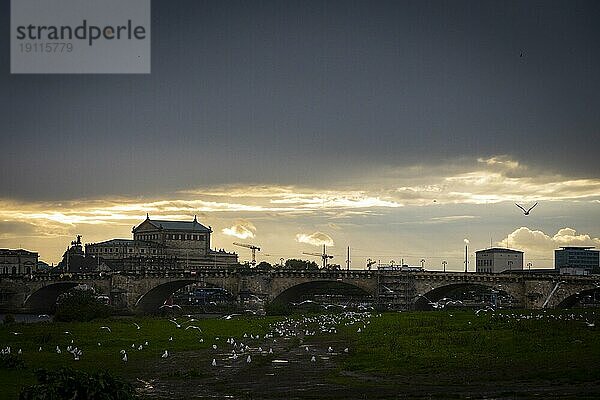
[[576, 260], [162, 244]]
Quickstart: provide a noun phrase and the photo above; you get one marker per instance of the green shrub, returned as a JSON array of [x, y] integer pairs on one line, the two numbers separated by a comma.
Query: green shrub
[[277, 308], [70, 384], [80, 305], [11, 361], [9, 319]]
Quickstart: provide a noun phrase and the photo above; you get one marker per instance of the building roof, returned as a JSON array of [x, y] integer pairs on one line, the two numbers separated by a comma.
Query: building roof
[[123, 242], [15, 252], [191, 226], [576, 247], [498, 250], [180, 225]]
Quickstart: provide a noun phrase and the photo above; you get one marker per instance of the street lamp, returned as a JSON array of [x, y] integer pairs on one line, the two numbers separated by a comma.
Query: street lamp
[[422, 263], [529, 266], [444, 263], [466, 254]]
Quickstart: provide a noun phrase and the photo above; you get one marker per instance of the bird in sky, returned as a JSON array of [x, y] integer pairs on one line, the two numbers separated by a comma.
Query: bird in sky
[[526, 212]]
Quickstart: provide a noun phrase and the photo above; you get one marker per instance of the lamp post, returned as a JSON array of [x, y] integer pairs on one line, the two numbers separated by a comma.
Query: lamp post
[[444, 263], [422, 263], [529, 266], [466, 254]]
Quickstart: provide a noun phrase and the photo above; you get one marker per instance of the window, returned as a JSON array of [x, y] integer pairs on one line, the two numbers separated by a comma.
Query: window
[[131, 250], [142, 250]]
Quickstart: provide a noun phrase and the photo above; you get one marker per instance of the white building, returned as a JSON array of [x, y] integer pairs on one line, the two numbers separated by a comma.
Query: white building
[[497, 259]]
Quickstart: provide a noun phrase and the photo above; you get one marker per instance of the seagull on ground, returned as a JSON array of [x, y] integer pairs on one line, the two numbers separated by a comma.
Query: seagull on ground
[[193, 327]]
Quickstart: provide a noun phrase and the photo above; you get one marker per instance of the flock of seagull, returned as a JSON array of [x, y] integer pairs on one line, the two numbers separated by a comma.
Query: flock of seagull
[[237, 351], [587, 318], [227, 352]]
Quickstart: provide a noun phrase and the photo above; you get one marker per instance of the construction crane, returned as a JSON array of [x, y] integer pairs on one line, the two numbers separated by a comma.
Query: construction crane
[[251, 247], [370, 263], [323, 256]]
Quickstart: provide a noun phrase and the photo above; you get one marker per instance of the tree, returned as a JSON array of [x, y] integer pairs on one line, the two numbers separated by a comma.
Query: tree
[[296, 264], [263, 265], [80, 305]]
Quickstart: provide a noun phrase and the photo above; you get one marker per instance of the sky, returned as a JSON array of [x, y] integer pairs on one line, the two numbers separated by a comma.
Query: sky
[[397, 128]]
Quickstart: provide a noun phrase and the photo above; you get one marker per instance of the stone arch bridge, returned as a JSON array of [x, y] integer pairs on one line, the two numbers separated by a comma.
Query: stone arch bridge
[[403, 290]]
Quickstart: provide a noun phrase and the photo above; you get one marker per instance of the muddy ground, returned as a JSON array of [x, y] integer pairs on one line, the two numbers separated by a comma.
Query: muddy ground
[[290, 374]]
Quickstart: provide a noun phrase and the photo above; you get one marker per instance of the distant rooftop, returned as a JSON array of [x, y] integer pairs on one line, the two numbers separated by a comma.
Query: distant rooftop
[[499, 250], [124, 242], [16, 252], [576, 247], [194, 225]]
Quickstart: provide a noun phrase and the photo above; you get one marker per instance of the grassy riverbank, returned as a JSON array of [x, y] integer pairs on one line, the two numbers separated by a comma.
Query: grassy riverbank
[[442, 354]]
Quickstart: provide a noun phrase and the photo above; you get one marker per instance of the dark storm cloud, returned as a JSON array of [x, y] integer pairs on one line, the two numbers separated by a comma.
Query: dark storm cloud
[[305, 92]]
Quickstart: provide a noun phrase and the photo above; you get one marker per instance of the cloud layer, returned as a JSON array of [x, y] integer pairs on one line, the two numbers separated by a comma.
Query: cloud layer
[[449, 197], [315, 239], [538, 242], [242, 229]]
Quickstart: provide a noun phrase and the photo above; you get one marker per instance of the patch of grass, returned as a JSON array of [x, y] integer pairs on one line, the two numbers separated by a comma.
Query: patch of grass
[[107, 356], [396, 352], [485, 348]]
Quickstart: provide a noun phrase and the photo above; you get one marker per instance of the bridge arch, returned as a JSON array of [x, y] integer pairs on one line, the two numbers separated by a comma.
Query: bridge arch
[[424, 300], [44, 299], [153, 299], [296, 292], [575, 298]]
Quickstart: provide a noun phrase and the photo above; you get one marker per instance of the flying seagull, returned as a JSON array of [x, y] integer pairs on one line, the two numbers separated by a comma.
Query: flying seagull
[[526, 212]]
